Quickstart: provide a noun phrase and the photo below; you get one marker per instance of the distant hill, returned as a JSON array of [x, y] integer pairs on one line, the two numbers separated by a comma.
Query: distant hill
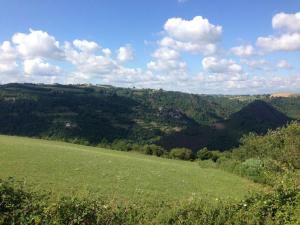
[[92, 114], [258, 116], [284, 95]]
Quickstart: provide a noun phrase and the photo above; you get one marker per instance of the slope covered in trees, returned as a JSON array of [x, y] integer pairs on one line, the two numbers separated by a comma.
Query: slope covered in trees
[[104, 114]]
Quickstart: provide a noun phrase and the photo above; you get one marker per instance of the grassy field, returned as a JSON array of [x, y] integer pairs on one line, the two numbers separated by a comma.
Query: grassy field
[[68, 169]]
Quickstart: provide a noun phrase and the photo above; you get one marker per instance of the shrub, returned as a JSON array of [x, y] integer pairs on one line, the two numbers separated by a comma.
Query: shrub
[[280, 206], [204, 154], [282, 145], [153, 150], [181, 153], [228, 164], [253, 169], [121, 145]]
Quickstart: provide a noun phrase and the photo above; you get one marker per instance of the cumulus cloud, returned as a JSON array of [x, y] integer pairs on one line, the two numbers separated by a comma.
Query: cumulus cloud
[[35, 56], [243, 50], [224, 66], [87, 62], [37, 43], [206, 49], [86, 46], [196, 30], [8, 57], [106, 52], [7, 52], [193, 36], [168, 61], [167, 65], [166, 54], [38, 67], [125, 54], [287, 22], [10, 68], [289, 37], [197, 35], [285, 42]]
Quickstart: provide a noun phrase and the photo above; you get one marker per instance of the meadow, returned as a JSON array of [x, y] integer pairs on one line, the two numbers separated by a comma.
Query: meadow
[[66, 169]]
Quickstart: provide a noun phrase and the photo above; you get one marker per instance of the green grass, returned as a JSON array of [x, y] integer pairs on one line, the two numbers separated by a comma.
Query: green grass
[[68, 169]]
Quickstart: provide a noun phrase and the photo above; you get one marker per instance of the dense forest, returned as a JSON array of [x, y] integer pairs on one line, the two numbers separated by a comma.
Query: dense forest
[[98, 114]]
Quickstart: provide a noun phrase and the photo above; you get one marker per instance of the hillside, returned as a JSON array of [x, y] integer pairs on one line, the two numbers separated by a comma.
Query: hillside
[[104, 114], [68, 169], [258, 116], [284, 95]]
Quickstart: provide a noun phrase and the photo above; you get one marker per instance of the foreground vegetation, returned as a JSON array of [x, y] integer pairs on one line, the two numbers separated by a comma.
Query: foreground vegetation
[[281, 206], [261, 158]]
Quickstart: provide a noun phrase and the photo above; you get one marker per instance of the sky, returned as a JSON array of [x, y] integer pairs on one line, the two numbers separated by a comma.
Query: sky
[[194, 46]]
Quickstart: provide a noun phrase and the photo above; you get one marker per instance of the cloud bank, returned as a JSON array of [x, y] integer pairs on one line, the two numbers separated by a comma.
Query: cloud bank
[[36, 56]]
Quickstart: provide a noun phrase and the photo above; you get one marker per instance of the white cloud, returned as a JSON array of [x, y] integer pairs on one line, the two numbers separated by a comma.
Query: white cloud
[[8, 57], [125, 54], [287, 22], [86, 46], [38, 67], [196, 35], [167, 60], [288, 38], [87, 62], [223, 66], [37, 44], [243, 50], [206, 49], [258, 64], [283, 64], [285, 42], [196, 30], [7, 52], [10, 68], [106, 52], [166, 54], [166, 65]]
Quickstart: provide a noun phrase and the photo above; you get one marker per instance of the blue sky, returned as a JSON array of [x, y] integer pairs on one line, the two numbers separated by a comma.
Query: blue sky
[[233, 46]]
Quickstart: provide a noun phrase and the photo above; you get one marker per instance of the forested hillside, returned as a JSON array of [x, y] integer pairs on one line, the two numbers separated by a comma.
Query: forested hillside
[[105, 114]]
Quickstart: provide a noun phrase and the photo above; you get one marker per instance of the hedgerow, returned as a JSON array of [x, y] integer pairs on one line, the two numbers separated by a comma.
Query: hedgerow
[[19, 206]]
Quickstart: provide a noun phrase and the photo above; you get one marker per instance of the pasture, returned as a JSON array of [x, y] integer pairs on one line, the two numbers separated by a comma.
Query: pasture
[[69, 169]]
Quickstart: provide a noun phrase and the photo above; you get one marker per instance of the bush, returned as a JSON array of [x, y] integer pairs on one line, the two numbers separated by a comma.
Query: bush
[[121, 145], [228, 164], [253, 169], [153, 150], [181, 153], [280, 206], [282, 145], [204, 154]]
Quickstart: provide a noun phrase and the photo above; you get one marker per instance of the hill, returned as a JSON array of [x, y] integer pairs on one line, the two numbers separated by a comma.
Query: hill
[[91, 115], [284, 95], [68, 169], [258, 116]]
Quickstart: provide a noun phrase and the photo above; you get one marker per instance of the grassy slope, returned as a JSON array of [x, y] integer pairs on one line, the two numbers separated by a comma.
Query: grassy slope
[[73, 169]]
